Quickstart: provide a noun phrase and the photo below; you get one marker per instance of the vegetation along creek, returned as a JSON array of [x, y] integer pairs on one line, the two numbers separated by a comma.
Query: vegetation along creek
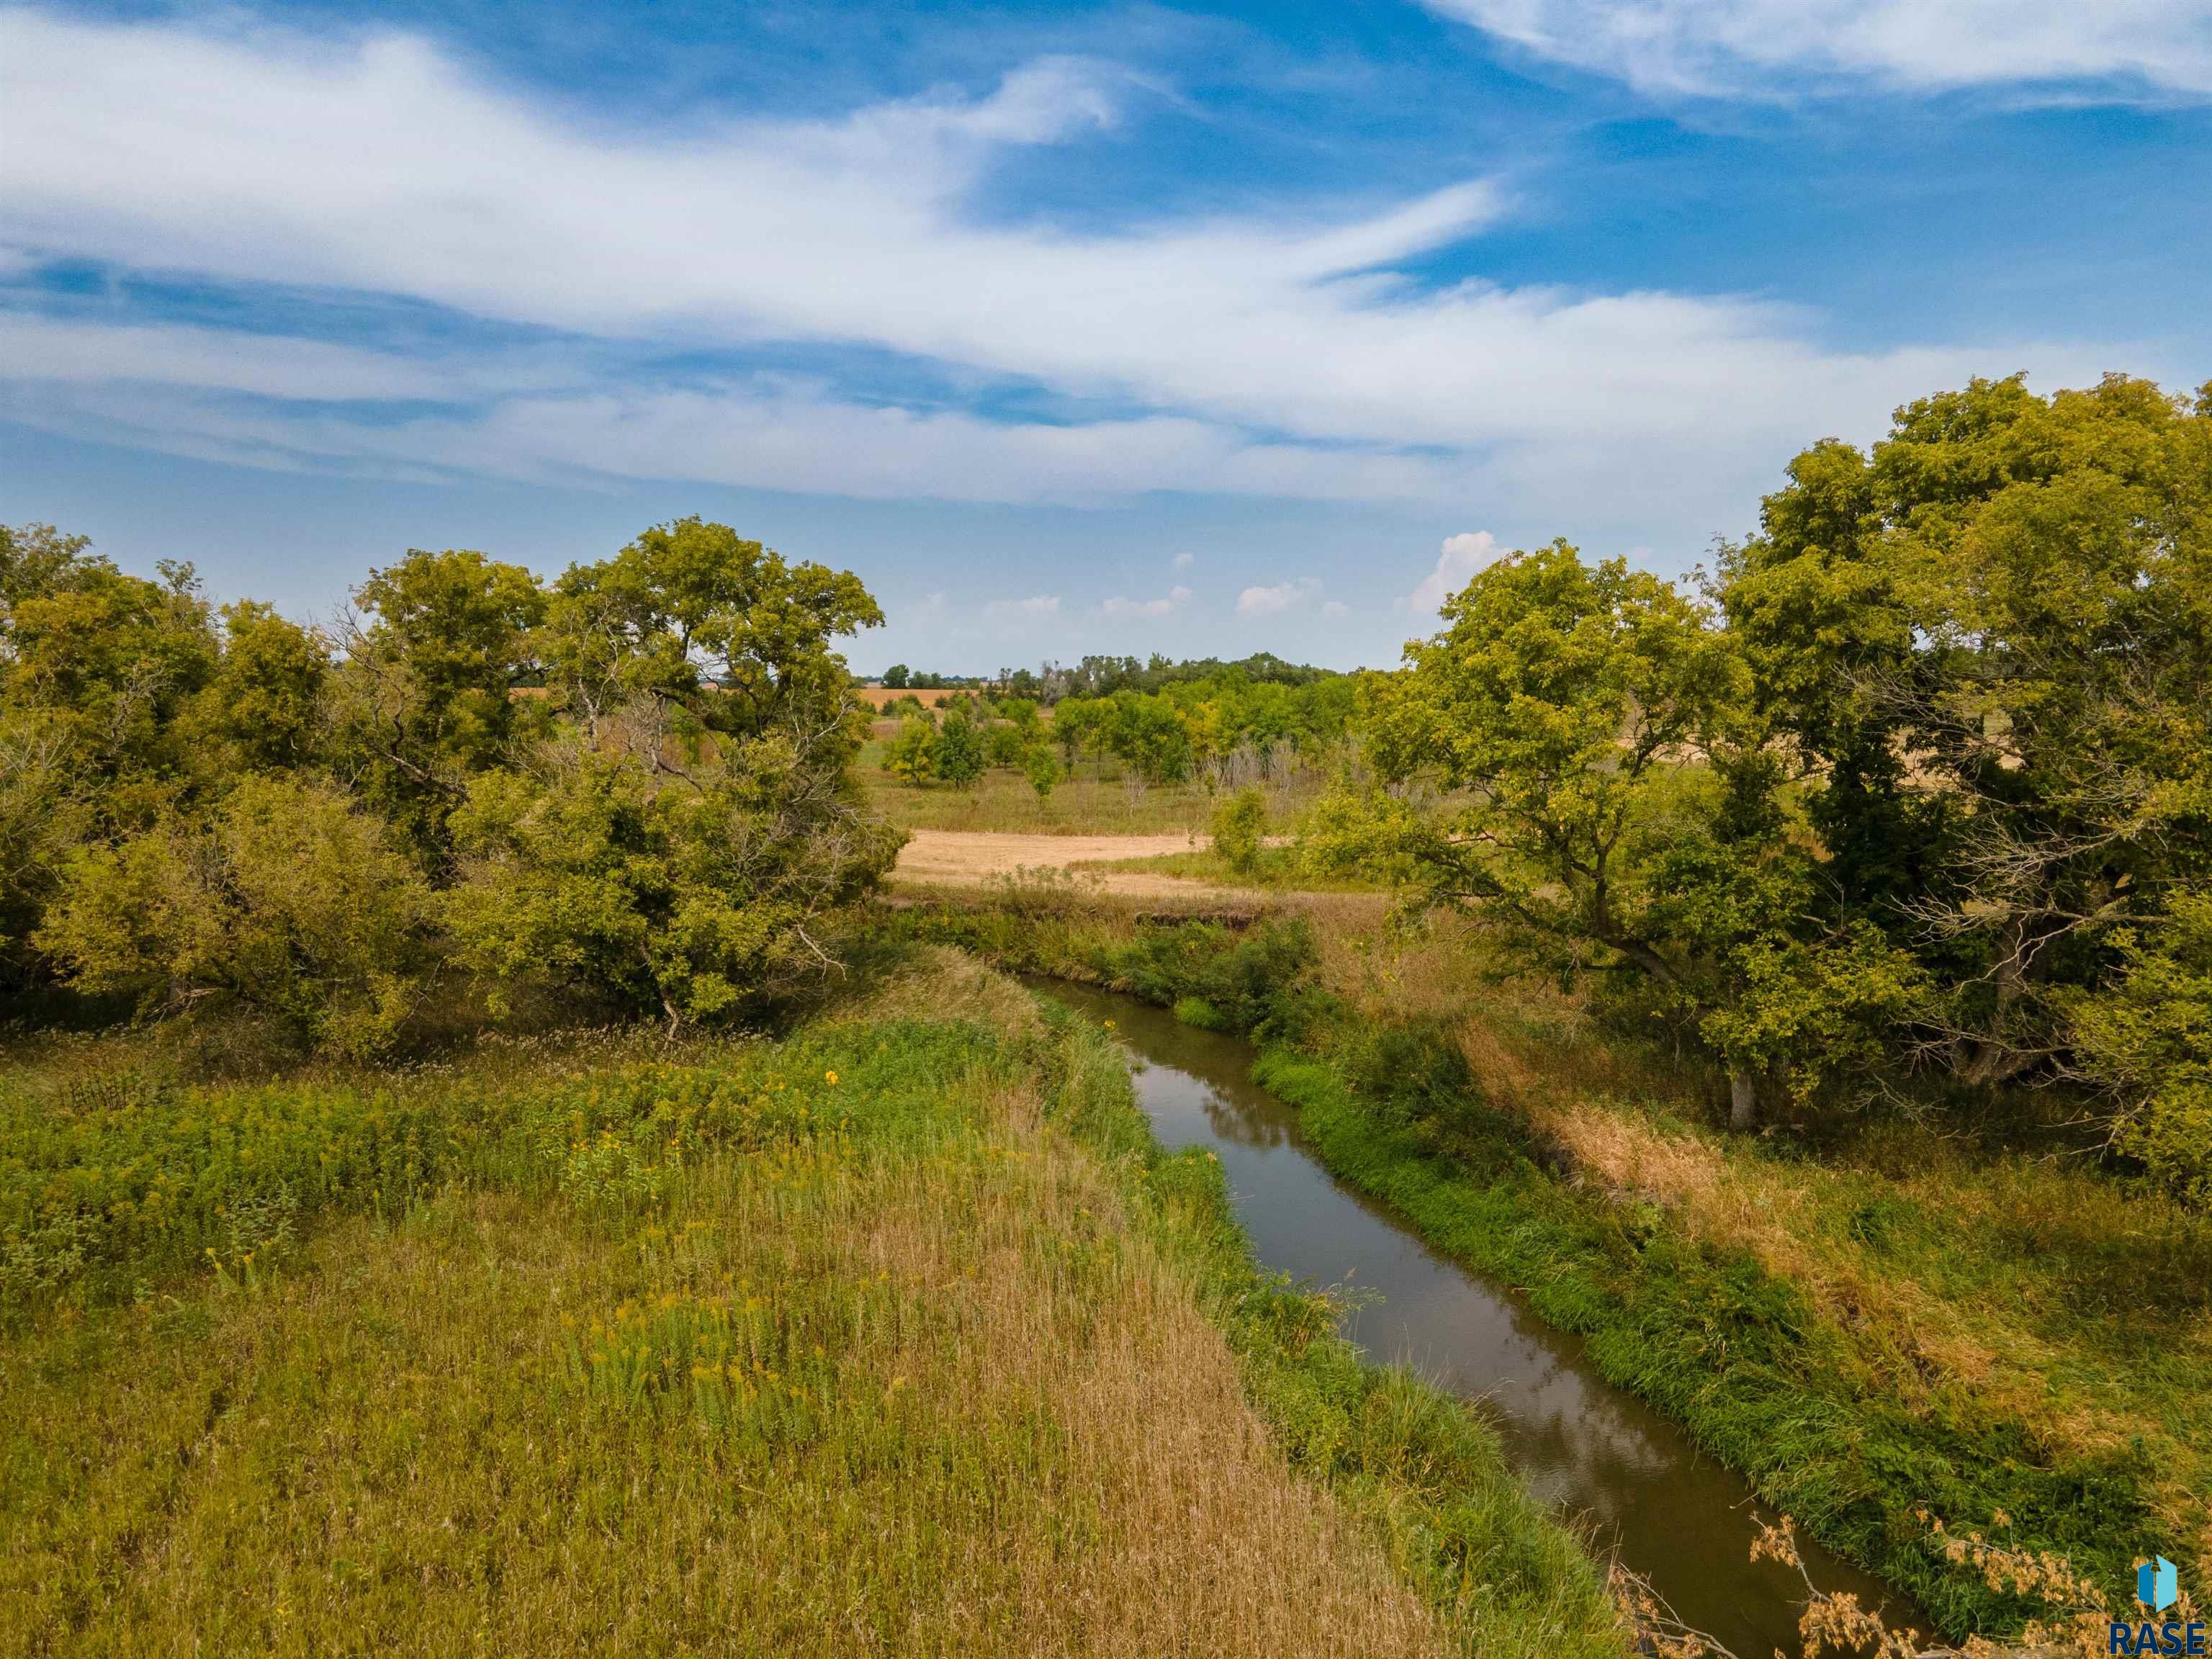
[[1675, 1515]]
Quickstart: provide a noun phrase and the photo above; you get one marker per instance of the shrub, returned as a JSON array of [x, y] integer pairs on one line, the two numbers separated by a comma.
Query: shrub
[[1237, 823], [1043, 771], [290, 901], [2150, 1042], [689, 896], [911, 756]]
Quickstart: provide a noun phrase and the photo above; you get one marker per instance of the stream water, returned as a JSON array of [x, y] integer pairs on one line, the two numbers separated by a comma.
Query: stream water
[[1593, 1450]]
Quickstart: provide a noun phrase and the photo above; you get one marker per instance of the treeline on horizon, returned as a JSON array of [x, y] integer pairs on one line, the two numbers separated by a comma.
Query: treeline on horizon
[[1912, 795], [1103, 676], [1207, 719]]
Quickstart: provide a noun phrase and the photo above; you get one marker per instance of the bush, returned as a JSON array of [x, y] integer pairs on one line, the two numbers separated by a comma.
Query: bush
[[1043, 771], [1197, 1011], [689, 897], [1247, 981], [1237, 823], [290, 901]]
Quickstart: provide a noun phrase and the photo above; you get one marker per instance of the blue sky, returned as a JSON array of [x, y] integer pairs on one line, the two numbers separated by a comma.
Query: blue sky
[[1071, 328]]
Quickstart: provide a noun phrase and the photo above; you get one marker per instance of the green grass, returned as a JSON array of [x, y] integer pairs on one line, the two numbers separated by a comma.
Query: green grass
[[898, 1335]]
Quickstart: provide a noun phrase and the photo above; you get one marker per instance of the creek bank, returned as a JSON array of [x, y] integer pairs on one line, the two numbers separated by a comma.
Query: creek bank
[[1739, 1357]]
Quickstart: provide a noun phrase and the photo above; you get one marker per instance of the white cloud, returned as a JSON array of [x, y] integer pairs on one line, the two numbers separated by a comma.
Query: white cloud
[[1722, 45], [372, 164], [1274, 601], [1183, 560], [1336, 608], [1177, 597], [1033, 609], [1457, 561]]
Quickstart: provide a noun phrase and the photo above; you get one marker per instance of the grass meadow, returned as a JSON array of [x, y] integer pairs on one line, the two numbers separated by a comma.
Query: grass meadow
[[894, 1336]]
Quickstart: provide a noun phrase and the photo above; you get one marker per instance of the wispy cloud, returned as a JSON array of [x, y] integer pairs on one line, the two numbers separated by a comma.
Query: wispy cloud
[[373, 165], [2163, 47]]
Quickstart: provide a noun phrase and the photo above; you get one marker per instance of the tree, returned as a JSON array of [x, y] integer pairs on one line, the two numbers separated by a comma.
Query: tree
[[911, 756], [1985, 645], [1043, 771], [960, 758], [895, 676], [1237, 826], [260, 710], [1572, 759], [289, 901], [2147, 1041], [422, 699], [682, 847], [96, 667]]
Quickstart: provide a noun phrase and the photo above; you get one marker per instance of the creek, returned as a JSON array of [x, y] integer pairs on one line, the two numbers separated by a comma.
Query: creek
[[1591, 1450]]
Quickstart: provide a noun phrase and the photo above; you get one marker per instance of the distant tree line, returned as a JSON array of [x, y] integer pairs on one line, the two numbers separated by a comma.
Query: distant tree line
[[629, 785], [1104, 676], [1207, 721], [1919, 780]]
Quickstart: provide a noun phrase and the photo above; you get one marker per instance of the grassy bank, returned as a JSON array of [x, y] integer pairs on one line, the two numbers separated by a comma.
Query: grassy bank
[[898, 1335], [1873, 1323]]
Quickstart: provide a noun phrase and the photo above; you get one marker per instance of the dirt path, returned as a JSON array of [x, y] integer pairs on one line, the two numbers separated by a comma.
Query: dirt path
[[968, 859]]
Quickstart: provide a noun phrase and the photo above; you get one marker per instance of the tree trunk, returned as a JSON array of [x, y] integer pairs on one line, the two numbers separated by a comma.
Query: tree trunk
[[1743, 1100]]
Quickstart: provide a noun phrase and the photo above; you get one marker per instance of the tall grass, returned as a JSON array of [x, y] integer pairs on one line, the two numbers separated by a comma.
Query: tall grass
[[897, 1336]]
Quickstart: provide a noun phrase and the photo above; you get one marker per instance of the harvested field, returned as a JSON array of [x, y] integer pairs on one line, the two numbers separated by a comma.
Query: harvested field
[[972, 859]]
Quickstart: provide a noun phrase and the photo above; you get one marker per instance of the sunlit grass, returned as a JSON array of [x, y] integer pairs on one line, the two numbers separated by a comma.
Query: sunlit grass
[[896, 1337]]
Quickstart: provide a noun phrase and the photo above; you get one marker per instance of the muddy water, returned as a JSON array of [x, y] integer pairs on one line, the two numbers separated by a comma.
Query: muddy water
[[1589, 1448]]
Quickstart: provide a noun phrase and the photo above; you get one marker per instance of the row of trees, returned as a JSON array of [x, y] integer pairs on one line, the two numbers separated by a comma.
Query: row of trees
[[631, 783], [1220, 726], [1104, 676], [957, 744], [1202, 726], [1919, 778]]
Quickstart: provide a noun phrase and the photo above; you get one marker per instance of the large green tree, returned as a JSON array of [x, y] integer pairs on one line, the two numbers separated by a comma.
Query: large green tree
[[1983, 648], [96, 667], [682, 846], [1574, 758]]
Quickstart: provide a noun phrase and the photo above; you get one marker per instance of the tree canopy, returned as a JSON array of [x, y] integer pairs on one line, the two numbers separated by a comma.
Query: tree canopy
[[1921, 779], [630, 785]]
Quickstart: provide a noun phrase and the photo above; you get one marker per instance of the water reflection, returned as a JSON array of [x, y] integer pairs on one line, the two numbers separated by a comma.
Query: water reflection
[[1675, 1515]]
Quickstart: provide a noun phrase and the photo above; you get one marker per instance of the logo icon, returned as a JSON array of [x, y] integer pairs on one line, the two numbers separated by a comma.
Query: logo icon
[[2155, 1584]]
